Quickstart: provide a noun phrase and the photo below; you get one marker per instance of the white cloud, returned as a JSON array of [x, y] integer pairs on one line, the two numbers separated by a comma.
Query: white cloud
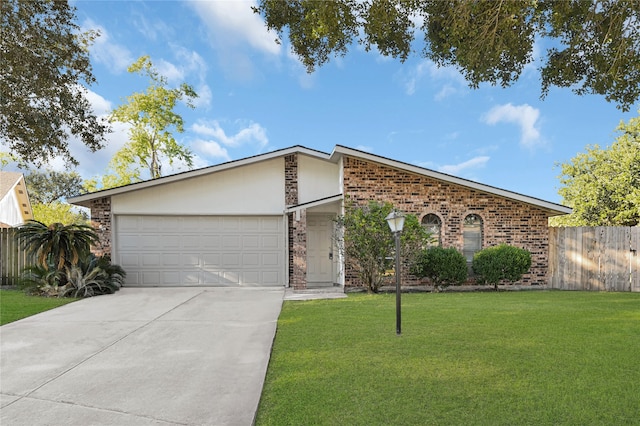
[[235, 32], [210, 149], [204, 96], [250, 133], [457, 169], [169, 70], [448, 79], [524, 116], [235, 20], [100, 105], [115, 56]]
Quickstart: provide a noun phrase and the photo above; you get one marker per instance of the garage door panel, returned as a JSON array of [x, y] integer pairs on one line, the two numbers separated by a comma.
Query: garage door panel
[[270, 242], [270, 259], [171, 259], [211, 242], [270, 278], [204, 250]]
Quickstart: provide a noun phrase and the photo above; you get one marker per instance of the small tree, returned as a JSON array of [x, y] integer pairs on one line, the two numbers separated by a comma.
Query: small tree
[[57, 245], [367, 243], [443, 266], [151, 114], [503, 262]]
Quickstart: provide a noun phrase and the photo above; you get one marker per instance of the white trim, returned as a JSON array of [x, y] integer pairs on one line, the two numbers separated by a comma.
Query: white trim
[[79, 199], [314, 203], [336, 157], [547, 205]]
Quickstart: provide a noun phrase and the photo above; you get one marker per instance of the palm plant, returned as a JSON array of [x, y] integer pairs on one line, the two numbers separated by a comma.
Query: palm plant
[[65, 265], [57, 244]]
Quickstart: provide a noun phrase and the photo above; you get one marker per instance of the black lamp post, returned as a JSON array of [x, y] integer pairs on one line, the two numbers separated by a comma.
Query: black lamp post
[[396, 222]]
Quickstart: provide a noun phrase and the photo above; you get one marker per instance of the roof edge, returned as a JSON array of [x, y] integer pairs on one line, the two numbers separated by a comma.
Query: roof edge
[[84, 198], [546, 205]]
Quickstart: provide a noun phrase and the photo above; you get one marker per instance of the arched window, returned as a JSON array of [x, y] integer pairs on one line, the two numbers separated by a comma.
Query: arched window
[[472, 233], [433, 225]]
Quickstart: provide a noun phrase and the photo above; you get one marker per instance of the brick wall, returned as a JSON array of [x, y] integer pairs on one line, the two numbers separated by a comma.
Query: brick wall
[[297, 226], [504, 220], [101, 221]]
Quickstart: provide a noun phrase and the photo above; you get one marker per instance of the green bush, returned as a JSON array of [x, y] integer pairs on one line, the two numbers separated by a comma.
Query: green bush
[[443, 266], [65, 265], [502, 262], [90, 276]]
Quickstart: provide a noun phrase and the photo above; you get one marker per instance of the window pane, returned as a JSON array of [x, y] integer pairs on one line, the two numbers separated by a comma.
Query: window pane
[[432, 225], [472, 235]]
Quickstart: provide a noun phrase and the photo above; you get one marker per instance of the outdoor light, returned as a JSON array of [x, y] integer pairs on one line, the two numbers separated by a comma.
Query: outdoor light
[[396, 222]]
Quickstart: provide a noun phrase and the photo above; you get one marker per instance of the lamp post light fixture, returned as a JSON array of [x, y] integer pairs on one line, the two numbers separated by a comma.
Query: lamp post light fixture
[[396, 222]]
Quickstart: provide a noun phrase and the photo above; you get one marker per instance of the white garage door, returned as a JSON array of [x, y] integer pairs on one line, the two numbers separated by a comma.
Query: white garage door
[[201, 250]]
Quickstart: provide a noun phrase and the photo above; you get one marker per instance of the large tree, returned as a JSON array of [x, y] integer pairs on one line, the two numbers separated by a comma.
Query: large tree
[[45, 63], [603, 185], [151, 116], [49, 185], [595, 45], [48, 190]]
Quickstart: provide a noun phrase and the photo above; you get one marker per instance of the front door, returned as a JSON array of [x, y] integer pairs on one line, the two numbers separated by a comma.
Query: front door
[[319, 250]]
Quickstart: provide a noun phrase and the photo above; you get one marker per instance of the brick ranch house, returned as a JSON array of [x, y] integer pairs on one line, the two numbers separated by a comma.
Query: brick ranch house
[[267, 220]]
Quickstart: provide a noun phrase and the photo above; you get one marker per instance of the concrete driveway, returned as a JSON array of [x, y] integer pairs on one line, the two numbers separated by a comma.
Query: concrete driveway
[[152, 356]]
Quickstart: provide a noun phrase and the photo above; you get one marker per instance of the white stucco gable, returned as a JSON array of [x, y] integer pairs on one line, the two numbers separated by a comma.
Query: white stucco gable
[[15, 207]]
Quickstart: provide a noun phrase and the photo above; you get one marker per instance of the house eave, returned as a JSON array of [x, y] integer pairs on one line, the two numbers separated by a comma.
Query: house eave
[[552, 209], [314, 203], [84, 199]]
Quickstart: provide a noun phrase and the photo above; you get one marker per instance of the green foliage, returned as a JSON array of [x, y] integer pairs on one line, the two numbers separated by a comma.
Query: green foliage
[[56, 245], [15, 305], [503, 262], [596, 44], [93, 276], [49, 186], [90, 276], [45, 62], [524, 358], [151, 115], [603, 185], [443, 266], [65, 266], [368, 244], [58, 212]]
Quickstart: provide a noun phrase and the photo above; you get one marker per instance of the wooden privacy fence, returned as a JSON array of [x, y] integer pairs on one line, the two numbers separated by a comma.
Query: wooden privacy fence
[[594, 258], [12, 257]]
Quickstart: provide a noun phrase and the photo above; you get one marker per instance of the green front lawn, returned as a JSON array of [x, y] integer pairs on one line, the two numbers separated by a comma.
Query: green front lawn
[[15, 305], [508, 358]]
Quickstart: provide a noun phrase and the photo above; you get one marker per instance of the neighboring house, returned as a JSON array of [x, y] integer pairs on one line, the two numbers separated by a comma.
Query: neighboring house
[[15, 208], [267, 220]]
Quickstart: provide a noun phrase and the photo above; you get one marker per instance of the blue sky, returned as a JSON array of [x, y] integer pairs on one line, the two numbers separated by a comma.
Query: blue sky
[[256, 97]]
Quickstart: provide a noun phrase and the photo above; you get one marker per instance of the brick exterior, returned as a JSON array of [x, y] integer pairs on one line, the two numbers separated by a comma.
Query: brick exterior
[[101, 221], [291, 179], [297, 226], [504, 220], [298, 250]]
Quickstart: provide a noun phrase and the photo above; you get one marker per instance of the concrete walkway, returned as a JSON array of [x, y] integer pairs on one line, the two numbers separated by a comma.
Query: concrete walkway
[[153, 356]]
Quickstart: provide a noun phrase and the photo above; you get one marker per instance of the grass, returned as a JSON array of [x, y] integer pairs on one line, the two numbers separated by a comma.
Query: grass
[[508, 358], [15, 305]]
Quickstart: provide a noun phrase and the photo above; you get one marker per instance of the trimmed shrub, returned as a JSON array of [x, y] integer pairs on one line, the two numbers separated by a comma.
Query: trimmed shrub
[[443, 266], [502, 262]]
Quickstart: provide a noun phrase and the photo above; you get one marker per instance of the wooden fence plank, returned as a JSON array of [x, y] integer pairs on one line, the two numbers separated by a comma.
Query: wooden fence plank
[[634, 259], [594, 258], [12, 258]]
